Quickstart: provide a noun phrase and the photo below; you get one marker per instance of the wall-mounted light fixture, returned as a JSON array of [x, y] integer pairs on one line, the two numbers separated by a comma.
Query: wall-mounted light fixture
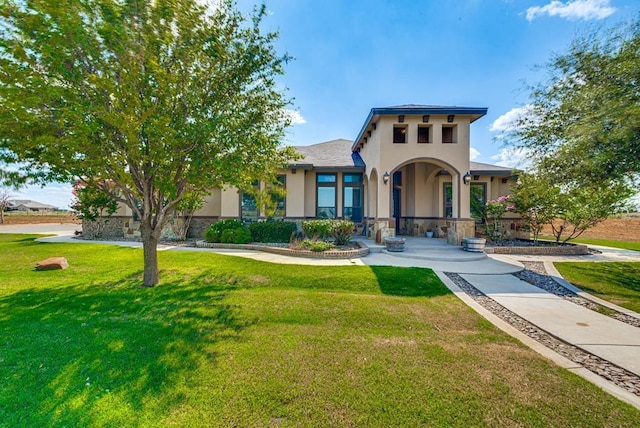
[[293, 170], [400, 118], [466, 179], [425, 118], [373, 125], [385, 177], [476, 177], [451, 117]]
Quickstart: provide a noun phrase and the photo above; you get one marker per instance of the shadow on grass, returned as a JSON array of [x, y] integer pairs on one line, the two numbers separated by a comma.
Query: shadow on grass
[[112, 354]]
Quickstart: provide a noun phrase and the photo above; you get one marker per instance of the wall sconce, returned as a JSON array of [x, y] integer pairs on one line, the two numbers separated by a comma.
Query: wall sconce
[[369, 133], [425, 118], [401, 118], [450, 118], [293, 170], [385, 177], [476, 177], [373, 125], [466, 179]]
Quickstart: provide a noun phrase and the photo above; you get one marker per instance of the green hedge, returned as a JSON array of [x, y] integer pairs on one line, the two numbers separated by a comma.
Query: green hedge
[[236, 236], [214, 232], [272, 231], [340, 230]]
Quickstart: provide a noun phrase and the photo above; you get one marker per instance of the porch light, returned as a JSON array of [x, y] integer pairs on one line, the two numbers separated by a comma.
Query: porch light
[[466, 179], [386, 177], [401, 118], [450, 118], [425, 118]]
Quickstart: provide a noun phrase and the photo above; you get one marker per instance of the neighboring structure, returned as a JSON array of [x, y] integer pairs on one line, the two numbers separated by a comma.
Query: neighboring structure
[[27, 205], [407, 171]]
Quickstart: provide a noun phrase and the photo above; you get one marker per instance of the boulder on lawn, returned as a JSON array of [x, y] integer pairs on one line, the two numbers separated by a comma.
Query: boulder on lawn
[[52, 263]]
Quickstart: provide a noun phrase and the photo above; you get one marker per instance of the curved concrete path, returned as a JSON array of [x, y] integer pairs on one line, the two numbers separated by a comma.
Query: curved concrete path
[[610, 339]]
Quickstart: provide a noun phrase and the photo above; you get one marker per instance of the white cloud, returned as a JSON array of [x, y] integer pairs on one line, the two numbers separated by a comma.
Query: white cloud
[[513, 158], [473, 154], [508, 121], [573, 9], [295, 117]]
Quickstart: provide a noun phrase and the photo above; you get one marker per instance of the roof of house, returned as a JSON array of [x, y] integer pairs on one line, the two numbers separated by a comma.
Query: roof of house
[[418, 109], [488, 169], [334, 154], [28, 203], [337, 155]]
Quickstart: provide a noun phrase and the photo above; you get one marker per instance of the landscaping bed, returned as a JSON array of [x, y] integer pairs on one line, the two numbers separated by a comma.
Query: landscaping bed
[[541, 248], [357, 250]]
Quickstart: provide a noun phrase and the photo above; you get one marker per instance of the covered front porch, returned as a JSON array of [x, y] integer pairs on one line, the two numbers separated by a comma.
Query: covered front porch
[[416, 197]]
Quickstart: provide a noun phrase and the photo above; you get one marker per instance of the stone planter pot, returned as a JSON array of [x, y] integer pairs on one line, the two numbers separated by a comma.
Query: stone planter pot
[[429, 234], [474, 245], [394, 244]]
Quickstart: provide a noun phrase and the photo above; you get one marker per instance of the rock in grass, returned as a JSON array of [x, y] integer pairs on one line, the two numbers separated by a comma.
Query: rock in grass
[[52, 263]]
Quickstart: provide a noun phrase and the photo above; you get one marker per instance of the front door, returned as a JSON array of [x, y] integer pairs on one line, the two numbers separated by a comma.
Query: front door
[[397, 190]]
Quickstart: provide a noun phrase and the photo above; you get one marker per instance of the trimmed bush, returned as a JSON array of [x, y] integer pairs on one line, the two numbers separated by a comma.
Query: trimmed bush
[[343, 231], [214, 232], [236, 236], [317, 246], [272, 231], [318, 229]]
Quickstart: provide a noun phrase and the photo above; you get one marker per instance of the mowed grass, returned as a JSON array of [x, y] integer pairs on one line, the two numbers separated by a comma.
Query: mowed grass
[[226, 341], [625, 245], [617, 283]]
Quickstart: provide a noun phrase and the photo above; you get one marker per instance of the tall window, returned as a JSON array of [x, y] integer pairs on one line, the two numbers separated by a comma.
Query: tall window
[[280, 198], [326, 196], [248, 207], [448, 200], [352, 190], [478, 194]]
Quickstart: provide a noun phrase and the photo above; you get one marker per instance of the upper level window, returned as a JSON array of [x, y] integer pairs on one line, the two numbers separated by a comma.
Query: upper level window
[[326, 196], [399, 134], [424, 134], [352, 190], [449, 134]]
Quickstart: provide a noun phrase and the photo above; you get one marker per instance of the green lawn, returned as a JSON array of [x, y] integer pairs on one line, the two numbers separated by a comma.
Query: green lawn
[[617, 283], [625, 245], [225, 341]]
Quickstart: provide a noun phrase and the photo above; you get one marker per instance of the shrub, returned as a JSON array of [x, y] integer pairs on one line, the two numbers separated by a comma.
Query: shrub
[[343, 230], [236, 236], [318, 229], [317, 246], [214, 232], [272, 231]]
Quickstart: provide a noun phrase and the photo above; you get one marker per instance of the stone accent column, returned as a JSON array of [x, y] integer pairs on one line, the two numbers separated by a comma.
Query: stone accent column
[[383, 228]]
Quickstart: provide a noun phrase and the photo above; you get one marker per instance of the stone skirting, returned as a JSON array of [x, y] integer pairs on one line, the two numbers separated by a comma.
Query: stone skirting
[[362, 251], [549, 250]]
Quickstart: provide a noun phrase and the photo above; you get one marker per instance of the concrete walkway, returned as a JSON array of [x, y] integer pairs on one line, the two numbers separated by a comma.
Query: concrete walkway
[[603, 336]]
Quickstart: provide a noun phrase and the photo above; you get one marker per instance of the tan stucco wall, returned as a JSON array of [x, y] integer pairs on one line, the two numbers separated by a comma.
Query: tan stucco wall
[[212, 205], [382, 154], [230, 203], [295, 199]]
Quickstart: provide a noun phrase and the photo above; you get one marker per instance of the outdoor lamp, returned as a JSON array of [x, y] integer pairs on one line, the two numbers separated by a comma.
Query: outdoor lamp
[[466, 179], [385, 177]]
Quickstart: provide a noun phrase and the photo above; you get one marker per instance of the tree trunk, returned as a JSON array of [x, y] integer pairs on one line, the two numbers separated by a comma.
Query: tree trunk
[[150, 249]]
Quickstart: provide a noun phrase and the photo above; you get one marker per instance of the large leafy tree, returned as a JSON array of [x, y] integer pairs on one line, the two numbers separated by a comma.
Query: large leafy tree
[[583, 122], [161, 99]]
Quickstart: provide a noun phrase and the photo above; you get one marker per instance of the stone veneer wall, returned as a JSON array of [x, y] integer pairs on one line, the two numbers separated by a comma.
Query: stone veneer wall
[[103, 227], [198, 226]]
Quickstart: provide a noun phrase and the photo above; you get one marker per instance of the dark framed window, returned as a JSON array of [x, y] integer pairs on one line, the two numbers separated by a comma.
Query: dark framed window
[[478, 195], [248, 206], [352, 190], [449, 134], [399, 134], [326, 196], [448, 200], [280, 199], [424, 134]]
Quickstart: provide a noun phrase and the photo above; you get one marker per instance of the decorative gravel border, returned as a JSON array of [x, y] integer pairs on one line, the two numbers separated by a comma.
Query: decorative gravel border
[[361, 251], [536, 274], [619, 376]]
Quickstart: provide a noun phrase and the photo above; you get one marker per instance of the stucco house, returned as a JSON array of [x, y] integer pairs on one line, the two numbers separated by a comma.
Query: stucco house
[[407, 171]]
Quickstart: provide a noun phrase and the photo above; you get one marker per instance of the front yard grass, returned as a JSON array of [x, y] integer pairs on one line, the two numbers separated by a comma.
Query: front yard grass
[[625, 245], [617, 283], [225, 341]]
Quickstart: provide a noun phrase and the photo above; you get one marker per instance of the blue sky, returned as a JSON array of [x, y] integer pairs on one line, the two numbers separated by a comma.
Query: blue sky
[[353, 55]]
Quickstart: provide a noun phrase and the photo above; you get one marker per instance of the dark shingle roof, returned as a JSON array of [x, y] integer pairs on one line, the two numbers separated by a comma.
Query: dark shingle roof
[[330, 154]]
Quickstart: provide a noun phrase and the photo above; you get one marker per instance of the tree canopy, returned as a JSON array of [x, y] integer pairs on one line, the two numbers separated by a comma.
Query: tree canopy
[[152, 102], [583, 122]]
